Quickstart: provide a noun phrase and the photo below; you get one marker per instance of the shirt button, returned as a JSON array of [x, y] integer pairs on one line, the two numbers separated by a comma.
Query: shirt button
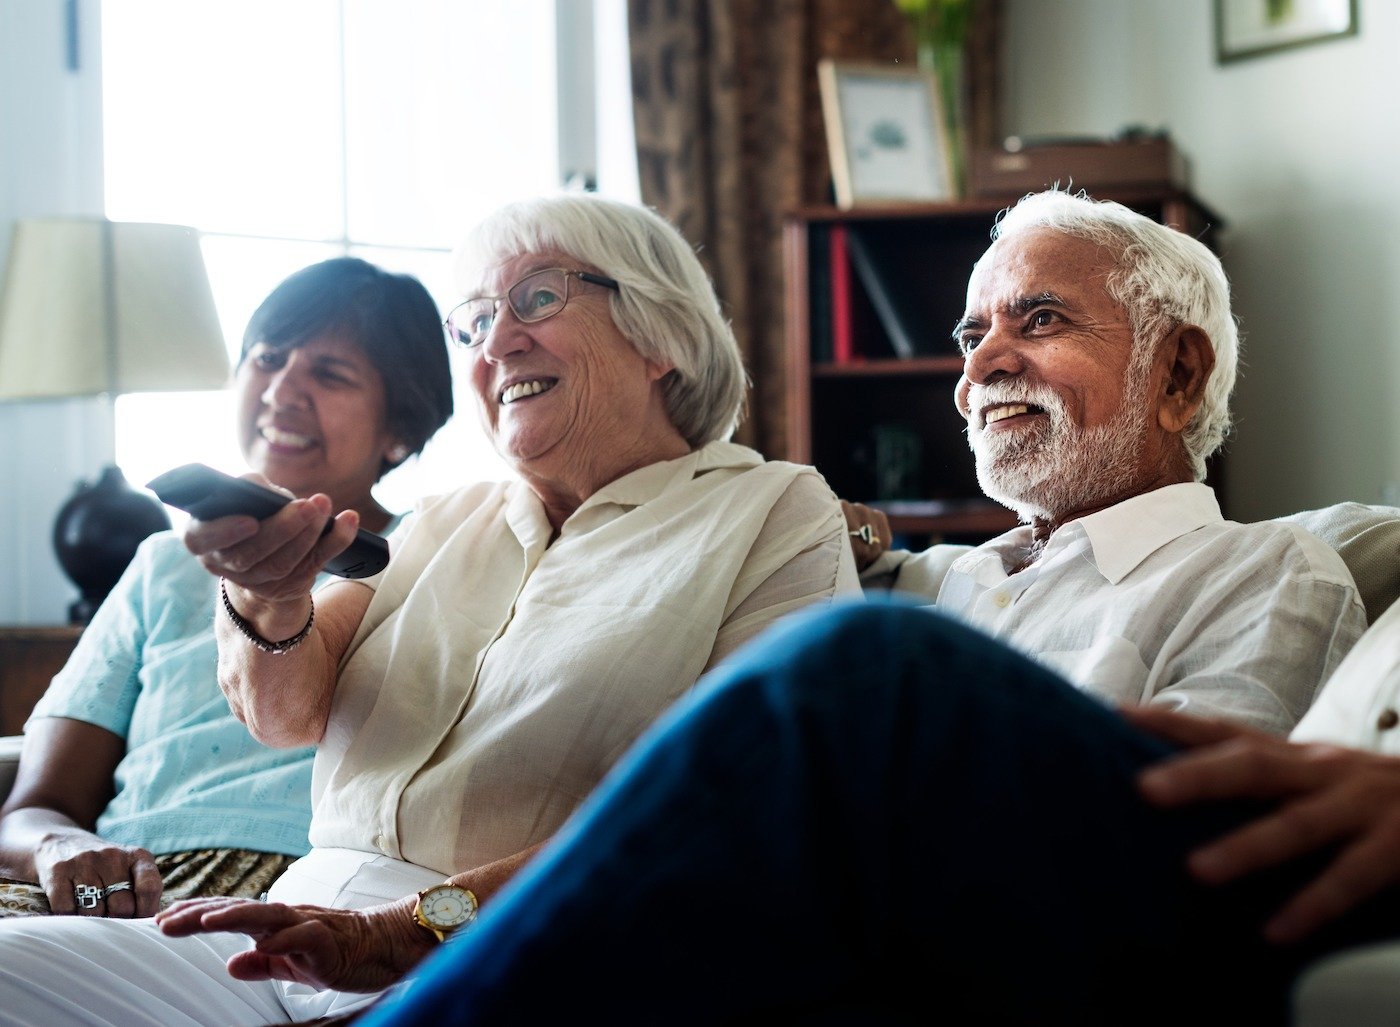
[[380, 842], [1002, 600], [1387, 720]]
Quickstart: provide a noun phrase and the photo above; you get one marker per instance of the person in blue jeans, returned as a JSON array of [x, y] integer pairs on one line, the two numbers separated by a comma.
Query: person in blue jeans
[[879, 815]]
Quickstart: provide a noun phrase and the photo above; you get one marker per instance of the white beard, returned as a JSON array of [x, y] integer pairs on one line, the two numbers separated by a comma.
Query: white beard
[[1055, 467]]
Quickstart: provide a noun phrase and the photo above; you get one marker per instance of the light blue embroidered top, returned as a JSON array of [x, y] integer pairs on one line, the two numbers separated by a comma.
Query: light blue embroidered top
[[192, 777]]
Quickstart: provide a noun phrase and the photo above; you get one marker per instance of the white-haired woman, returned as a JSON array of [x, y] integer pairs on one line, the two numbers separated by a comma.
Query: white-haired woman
[[523, 635]]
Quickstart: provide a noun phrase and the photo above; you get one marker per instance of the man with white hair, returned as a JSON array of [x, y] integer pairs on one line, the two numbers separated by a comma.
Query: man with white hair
[[1099, 356]]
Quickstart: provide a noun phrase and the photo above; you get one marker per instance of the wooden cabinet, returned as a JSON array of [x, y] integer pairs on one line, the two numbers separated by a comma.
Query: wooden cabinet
[[29, 658], [871, 373]]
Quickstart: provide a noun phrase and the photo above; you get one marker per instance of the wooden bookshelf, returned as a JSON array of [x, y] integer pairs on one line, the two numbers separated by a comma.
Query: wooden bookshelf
[[890, 368]]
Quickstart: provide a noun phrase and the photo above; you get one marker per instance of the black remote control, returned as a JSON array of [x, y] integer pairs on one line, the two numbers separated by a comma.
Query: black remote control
[[207, 494]]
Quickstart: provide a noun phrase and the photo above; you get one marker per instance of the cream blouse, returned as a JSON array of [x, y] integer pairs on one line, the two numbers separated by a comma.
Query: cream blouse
[[496, 677]]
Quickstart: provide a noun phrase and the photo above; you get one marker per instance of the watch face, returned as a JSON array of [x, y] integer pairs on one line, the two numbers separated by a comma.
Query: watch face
[[448, 906]]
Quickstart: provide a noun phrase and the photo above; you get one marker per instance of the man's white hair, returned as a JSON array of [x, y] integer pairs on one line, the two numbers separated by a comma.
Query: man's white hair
[[1163, 279]]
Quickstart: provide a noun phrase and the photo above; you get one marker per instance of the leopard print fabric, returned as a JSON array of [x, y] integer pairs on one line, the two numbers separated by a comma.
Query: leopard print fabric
[[198, 873]]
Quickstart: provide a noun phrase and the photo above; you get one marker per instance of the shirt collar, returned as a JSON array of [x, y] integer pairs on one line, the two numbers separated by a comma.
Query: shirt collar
[[1127, 533], [646, 483], [526, 516], [1120, 537]]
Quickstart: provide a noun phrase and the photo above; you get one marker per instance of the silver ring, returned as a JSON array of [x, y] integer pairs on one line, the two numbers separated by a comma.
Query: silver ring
[[866, 534], [87, 895], [119, 886]]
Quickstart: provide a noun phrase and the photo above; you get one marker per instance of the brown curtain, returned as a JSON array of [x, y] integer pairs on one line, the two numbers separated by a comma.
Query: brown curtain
[[729, 138]]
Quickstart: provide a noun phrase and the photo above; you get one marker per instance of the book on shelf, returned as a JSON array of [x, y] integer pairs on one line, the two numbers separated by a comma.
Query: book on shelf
[[863, 261], [819, 291], [843, 342], [896, 294]]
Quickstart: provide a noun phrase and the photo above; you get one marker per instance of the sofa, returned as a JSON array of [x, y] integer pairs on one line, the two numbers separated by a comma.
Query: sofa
[[1357, 987], [9, 763]]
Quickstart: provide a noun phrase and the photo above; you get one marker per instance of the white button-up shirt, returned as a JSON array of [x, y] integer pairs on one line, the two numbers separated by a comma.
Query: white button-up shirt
[[1159, 599], [498, 673]]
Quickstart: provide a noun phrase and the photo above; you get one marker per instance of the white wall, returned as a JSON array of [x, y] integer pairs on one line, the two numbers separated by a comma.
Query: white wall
[[1299, 153], [50, 163]]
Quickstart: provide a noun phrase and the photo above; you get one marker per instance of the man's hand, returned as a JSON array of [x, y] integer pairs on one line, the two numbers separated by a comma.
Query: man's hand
[[343, 950], [1328, 798], [868, 530]]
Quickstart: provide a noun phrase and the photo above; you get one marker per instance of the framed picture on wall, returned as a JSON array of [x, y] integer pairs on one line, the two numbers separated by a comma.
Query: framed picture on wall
[[1247, 28], [885, 133]]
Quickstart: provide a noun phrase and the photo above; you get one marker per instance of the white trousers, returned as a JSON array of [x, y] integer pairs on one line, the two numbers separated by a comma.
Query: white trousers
[[62, 970]]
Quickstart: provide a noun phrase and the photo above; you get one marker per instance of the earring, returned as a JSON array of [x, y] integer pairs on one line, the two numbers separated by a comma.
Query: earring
[[398, 454]]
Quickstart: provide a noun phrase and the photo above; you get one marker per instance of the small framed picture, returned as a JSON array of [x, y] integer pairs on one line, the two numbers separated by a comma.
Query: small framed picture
[[884, 128], [1248, 28]]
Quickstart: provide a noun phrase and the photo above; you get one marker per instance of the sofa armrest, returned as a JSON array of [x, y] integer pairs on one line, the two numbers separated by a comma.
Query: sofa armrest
[[1356, 987], [9, 763], [1367, 538]]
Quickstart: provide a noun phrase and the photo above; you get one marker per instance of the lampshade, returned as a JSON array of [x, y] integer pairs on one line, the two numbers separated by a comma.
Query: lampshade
[[90, 307], [93, 306]]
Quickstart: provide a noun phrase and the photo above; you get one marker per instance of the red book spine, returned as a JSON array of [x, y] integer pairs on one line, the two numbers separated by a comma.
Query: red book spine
[[843, 343]]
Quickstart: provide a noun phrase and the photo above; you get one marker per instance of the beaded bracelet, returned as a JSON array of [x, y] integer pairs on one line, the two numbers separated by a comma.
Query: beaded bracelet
[[251, 634]]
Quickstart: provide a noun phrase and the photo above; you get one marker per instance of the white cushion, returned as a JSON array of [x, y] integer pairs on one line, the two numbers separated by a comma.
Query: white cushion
[[1368, 540], [1357, 987], [9, 763]]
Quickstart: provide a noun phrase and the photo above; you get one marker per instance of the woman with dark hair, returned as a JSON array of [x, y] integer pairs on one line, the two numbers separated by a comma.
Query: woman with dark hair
[[133, 750]]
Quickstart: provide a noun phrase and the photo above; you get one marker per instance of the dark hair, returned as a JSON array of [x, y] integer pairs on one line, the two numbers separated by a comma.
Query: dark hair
[[389, 316]]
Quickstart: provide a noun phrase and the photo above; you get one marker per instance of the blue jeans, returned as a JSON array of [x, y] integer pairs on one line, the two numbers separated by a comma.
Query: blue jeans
[[874, 815]]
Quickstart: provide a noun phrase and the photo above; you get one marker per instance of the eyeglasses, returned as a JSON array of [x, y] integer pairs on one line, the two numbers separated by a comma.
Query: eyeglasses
[[536, 297]]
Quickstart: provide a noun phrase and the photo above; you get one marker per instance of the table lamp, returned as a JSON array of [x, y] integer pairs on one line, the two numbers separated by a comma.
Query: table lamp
[[96, 307]]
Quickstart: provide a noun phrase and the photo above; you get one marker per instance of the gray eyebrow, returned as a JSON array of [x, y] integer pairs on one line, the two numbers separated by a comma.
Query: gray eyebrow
[[1014, 308], [1028, 303], [964, 324]]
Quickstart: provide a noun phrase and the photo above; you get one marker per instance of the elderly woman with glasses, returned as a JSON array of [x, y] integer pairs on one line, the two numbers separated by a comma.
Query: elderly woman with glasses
[[465, 700]]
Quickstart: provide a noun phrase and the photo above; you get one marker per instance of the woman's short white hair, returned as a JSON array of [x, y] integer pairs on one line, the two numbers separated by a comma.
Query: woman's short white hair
[[665, 305], [1164, 279]]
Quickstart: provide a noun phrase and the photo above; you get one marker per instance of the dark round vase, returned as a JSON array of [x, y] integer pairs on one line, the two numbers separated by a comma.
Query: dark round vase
[[96, 535]]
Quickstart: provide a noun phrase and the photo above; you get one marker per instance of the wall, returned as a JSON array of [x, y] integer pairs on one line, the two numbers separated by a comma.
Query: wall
[[50, 163], [1295, 150], [1298, 152]]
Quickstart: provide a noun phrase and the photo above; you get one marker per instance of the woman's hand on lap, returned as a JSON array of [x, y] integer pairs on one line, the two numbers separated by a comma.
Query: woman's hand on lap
[[65, 863], [347, 950]]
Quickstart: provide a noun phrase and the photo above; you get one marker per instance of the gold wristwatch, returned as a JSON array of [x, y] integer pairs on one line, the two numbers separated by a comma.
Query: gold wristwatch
[[443, 908]]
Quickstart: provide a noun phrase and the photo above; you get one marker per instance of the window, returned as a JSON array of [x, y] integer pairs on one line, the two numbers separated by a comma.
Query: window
[[292, 132]]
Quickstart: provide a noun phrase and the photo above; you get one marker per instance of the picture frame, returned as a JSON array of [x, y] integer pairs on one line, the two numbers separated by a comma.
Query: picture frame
[[1250, 28], [885, 134]]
